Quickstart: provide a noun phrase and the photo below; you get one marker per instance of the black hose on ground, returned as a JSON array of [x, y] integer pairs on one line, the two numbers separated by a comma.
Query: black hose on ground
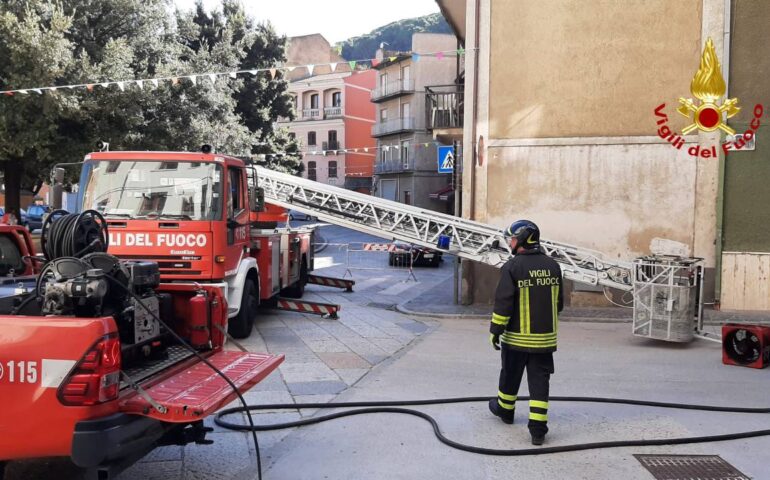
[[395, 407]]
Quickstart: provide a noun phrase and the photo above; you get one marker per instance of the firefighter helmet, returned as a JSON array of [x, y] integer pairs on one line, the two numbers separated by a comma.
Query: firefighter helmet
[[526, 233]]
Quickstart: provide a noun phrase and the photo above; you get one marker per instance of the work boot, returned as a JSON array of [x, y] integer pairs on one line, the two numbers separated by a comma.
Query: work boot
[[538, 439], [498, 411]]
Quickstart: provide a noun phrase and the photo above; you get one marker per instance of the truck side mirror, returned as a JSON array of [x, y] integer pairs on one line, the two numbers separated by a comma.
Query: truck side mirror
[[257, 199]]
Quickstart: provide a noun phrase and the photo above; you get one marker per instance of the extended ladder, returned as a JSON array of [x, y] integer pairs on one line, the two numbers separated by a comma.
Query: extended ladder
[[392, 220]]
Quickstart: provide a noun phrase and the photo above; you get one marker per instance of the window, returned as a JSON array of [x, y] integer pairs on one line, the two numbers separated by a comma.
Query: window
[[333, 169], [292, 135], [314, 101], [407, 197], [337, 99], [405, 110], [311, 138], [311, 170], [405, 153], [235, 190], [405, 73], [383, 115], [383, 82], [333, 140]]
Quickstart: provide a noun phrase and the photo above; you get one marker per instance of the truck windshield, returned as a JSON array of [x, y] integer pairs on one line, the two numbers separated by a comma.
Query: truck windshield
[[151, 189]]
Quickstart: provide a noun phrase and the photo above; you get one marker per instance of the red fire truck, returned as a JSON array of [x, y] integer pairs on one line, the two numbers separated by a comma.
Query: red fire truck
[[202, 218]]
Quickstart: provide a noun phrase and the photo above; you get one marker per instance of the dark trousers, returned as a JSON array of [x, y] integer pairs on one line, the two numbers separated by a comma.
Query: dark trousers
[[539, 368]]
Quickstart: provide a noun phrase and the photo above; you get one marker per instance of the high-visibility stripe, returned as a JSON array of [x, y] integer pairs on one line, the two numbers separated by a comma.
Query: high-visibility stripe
[[504, 396], [555, 306], [499, 319], [505, 405], [524, 320], [540, 417], [510, 338], [531, 335], [519, 343], [538, 404]]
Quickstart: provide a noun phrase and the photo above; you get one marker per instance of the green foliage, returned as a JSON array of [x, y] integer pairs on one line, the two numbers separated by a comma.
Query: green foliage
[[46, 43], [397, 35]]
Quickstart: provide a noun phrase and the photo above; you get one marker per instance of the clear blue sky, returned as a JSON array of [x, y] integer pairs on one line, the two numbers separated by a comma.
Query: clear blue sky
[[335, 19]]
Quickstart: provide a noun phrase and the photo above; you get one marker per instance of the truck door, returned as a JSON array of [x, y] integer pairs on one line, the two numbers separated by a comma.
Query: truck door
[[237, 219]]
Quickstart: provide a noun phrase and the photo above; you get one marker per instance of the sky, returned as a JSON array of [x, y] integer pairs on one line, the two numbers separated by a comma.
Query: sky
[[335, 19]]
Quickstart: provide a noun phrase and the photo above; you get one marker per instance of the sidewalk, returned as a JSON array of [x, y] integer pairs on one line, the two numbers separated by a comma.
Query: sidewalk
[[438, 302]]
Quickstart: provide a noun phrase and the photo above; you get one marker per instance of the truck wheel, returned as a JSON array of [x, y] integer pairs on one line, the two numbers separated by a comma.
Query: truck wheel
[[240, 326], [298, 289]]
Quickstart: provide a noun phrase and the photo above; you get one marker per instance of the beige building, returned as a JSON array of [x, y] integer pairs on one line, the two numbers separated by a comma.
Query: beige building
[[406, 165], [560, 128]]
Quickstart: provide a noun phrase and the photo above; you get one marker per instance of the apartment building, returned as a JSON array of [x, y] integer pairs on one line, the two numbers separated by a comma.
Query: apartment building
[[406, 165], [560, 127], [334, 118]]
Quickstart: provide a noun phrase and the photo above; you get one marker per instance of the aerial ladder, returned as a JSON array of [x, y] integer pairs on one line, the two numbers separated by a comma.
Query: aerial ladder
[[666, 289]]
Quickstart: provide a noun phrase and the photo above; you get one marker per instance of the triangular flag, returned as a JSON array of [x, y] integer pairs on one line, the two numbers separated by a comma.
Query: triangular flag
[[38, 91], [253, 72], [324, 153], [174, 81], [193, 79], [333, 66], [334, 152], [23, 92], [272, 73], [352, 64], [460, 51], [140, 83], [10, 94], [440, 55], [105, 84], [90, 87], [396, 147], [375, 62], [392, 59], [386, 148], [290, 69], [233, 74], [53, 89], [155, 82], [310, 69], [415, 57], [121, 86], [213, 77], [427, 144]]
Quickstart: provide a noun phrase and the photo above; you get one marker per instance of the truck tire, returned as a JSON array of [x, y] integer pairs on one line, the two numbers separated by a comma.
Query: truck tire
[[298, 289], [240, 326]]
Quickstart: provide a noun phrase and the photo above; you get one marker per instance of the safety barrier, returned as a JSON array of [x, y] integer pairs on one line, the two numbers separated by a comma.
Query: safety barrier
[[379, 256]]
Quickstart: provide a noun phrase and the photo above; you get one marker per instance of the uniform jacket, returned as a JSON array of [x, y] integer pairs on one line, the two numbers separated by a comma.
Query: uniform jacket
[[528, 300]]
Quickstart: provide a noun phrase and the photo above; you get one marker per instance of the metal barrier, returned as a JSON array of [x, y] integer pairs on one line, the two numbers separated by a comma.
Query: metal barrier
[[379, 256]]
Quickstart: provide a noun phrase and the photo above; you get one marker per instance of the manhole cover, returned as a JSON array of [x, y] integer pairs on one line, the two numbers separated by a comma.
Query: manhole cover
[[385, 306], [690, 467]]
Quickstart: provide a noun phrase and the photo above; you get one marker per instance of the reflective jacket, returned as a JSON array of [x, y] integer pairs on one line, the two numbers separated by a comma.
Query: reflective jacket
[[528, 300]]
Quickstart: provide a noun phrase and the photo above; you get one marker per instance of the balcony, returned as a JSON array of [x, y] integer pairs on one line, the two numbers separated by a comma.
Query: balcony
[[333, 112], [335, 145], [444, 107], [394, 166], [392, 90], [311, 114], [397, 125]]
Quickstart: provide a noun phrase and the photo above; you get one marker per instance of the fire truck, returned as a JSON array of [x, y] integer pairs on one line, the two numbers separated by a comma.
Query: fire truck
[[201, 217]]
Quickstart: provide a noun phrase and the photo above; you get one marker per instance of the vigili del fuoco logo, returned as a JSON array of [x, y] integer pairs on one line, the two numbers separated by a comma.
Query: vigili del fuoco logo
[[707, 115]]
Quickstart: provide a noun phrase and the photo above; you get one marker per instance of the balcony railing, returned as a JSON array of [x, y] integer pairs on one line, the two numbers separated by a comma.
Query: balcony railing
[[396, 125], [332, 112], [392, 89], [444, 106], [311, 114], [394, 166], [335, 145]]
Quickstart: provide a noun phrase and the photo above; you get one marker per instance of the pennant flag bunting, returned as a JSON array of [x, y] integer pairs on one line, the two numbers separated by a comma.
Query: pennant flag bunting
[[375, 62], [213, 77], [415, 57], [290, 69], [233, 75], [333, 66], [392, 59], [366, 149], [272, 73], [310, 69], [154, 82], [460, 51], [23, 92], [352, 64], [193, 79], [174, 81], [38, 91], [105, 84], [141, 84], [90, 87], [440, 55], [121, 86]]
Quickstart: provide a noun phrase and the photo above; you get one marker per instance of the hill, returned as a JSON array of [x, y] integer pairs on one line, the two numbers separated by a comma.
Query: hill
[[397, 35]]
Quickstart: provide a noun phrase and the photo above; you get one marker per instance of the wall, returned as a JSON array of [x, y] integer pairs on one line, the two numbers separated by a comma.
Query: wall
[[359, 118], [746, 261], [312, 49]]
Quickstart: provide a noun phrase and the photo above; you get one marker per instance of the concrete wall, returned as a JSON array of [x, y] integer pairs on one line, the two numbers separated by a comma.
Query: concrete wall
[[312, 49]]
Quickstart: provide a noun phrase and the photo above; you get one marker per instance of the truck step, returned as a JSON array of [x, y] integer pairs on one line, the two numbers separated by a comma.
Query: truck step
[[331, 282], [327, 310], [194, 392]]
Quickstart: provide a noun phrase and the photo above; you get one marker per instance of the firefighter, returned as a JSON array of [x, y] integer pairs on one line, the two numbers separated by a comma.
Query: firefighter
[[525, 321]]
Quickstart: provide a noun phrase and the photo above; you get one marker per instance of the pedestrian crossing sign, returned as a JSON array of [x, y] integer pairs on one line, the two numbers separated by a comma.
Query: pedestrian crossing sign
[[446, 159]]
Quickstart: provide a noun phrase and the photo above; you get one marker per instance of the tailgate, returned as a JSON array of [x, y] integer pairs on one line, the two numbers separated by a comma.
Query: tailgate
[[196, 391]]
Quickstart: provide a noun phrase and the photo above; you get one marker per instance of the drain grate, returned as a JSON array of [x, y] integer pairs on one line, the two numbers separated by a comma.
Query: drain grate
[[385, 306], [690, 467]]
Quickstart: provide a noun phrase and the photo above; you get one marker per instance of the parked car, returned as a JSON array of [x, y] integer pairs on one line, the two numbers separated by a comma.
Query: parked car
[[295, 215], [421, 256], [23, 221], [35, 216]]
